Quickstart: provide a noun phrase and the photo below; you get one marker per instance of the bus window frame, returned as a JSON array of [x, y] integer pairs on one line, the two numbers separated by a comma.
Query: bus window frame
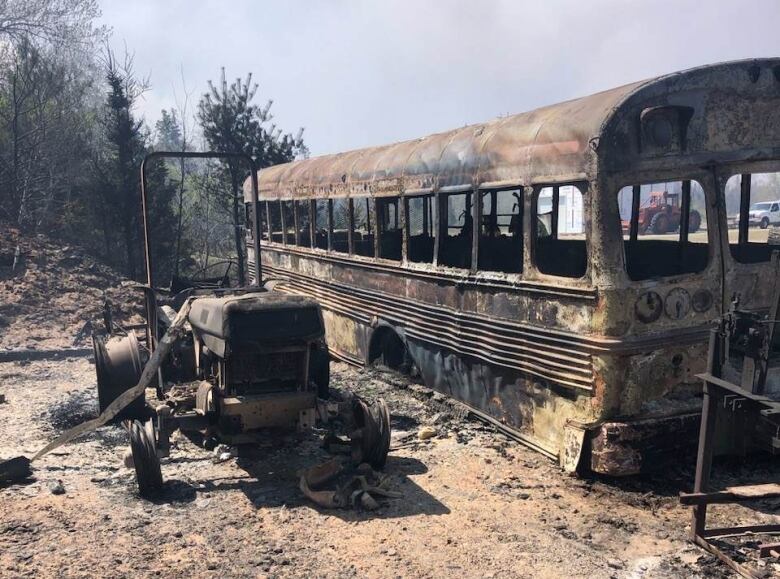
[[379, 202], [271, 231], [284, 222], [433, 224], [332, 225], [370, 219], [315, 225], [442, 224], [685, 207], [302, 206], [726, 173], [584, 188], [480, 193]]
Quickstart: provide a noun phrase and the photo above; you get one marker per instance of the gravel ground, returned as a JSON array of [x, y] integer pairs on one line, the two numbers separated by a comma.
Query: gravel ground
[[474, 504]]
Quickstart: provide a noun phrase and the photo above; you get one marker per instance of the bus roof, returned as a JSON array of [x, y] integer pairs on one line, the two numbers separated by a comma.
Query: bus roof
[[561, 142]]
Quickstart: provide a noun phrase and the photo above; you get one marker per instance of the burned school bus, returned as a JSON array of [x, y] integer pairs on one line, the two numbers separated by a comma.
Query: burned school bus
[[555, 270]]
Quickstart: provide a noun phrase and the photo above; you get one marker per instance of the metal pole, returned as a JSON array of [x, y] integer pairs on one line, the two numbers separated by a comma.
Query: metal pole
[[685, 211], [634, 223], [706, 433], [744, 209]]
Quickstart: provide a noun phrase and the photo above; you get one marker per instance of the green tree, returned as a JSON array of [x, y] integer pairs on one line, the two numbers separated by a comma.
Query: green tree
[[48, 101], [125, 143], [168, 132], [231, 122]]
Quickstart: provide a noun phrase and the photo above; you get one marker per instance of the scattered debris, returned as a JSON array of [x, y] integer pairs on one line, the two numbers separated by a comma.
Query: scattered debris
[[356, 486], [615, 563], [357, 483], [56, 487], [426, 432], [223, 452]]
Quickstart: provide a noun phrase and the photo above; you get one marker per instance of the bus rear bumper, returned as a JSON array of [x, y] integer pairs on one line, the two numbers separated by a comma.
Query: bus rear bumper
[[631, 447]]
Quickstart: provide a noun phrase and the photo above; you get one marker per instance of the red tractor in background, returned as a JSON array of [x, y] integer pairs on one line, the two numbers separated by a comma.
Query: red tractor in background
[[661, 214]]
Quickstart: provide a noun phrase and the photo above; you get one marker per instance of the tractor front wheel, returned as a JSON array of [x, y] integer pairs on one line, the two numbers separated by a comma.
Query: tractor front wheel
[[143, 444], [659, 224]]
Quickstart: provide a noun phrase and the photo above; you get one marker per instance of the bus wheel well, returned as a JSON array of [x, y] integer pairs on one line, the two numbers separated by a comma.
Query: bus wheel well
[[386, 348]]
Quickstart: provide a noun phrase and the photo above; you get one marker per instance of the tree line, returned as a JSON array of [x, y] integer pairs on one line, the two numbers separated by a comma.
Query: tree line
[[72, 142]]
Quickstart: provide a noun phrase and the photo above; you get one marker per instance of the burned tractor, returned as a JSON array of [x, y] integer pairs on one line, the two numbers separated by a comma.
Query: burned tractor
[[662, 213], [235, 360]]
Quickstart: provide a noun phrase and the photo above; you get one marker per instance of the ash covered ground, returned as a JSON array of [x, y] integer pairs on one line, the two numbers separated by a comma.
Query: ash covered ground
[[474, 503]]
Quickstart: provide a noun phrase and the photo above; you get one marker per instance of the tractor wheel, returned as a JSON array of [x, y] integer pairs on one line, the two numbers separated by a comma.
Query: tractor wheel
[[764, 223], [659, 224], [319, 370], [694, 222], [143, 444], [118, 365]]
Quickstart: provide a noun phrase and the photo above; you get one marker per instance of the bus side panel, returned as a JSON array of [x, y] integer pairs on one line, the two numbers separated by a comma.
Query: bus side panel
[[531, 408]]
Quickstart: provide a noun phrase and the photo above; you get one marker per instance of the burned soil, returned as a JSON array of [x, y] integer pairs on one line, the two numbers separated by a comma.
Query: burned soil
[[51, 292], [473, 502]]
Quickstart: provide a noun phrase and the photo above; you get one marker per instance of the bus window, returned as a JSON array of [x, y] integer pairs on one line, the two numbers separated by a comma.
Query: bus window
[[362, 234], [560, 247], [302, 224], [658, 241], [288, 221], [263, 222], [753, 210], [340, 233], [275, 214], [249, 218], [501, 231], [456, 230], [321, 223], [419, 220], [389, 228]]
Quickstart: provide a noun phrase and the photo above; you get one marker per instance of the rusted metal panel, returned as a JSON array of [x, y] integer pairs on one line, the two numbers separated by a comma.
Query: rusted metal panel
[[551, 141]]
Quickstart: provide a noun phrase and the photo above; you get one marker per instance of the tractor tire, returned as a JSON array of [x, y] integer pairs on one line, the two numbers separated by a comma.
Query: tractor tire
[[694, 222], [118, 364], [659, 224], [764, 223], [143, 444]]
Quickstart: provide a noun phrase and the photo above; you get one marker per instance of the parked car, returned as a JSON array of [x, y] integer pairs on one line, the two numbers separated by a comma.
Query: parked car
[[761, 214]]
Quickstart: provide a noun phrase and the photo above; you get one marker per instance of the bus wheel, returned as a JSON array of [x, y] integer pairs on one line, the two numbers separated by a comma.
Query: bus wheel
[[388, 350]]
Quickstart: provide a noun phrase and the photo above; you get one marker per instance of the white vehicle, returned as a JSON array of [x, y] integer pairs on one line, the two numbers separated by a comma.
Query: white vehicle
[[762, 214]]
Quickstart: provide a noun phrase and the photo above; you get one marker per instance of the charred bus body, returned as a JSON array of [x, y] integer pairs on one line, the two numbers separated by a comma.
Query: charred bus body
[[506, 263]]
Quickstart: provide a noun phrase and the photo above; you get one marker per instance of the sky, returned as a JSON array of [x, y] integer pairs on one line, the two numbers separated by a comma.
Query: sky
[[355, 73]]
